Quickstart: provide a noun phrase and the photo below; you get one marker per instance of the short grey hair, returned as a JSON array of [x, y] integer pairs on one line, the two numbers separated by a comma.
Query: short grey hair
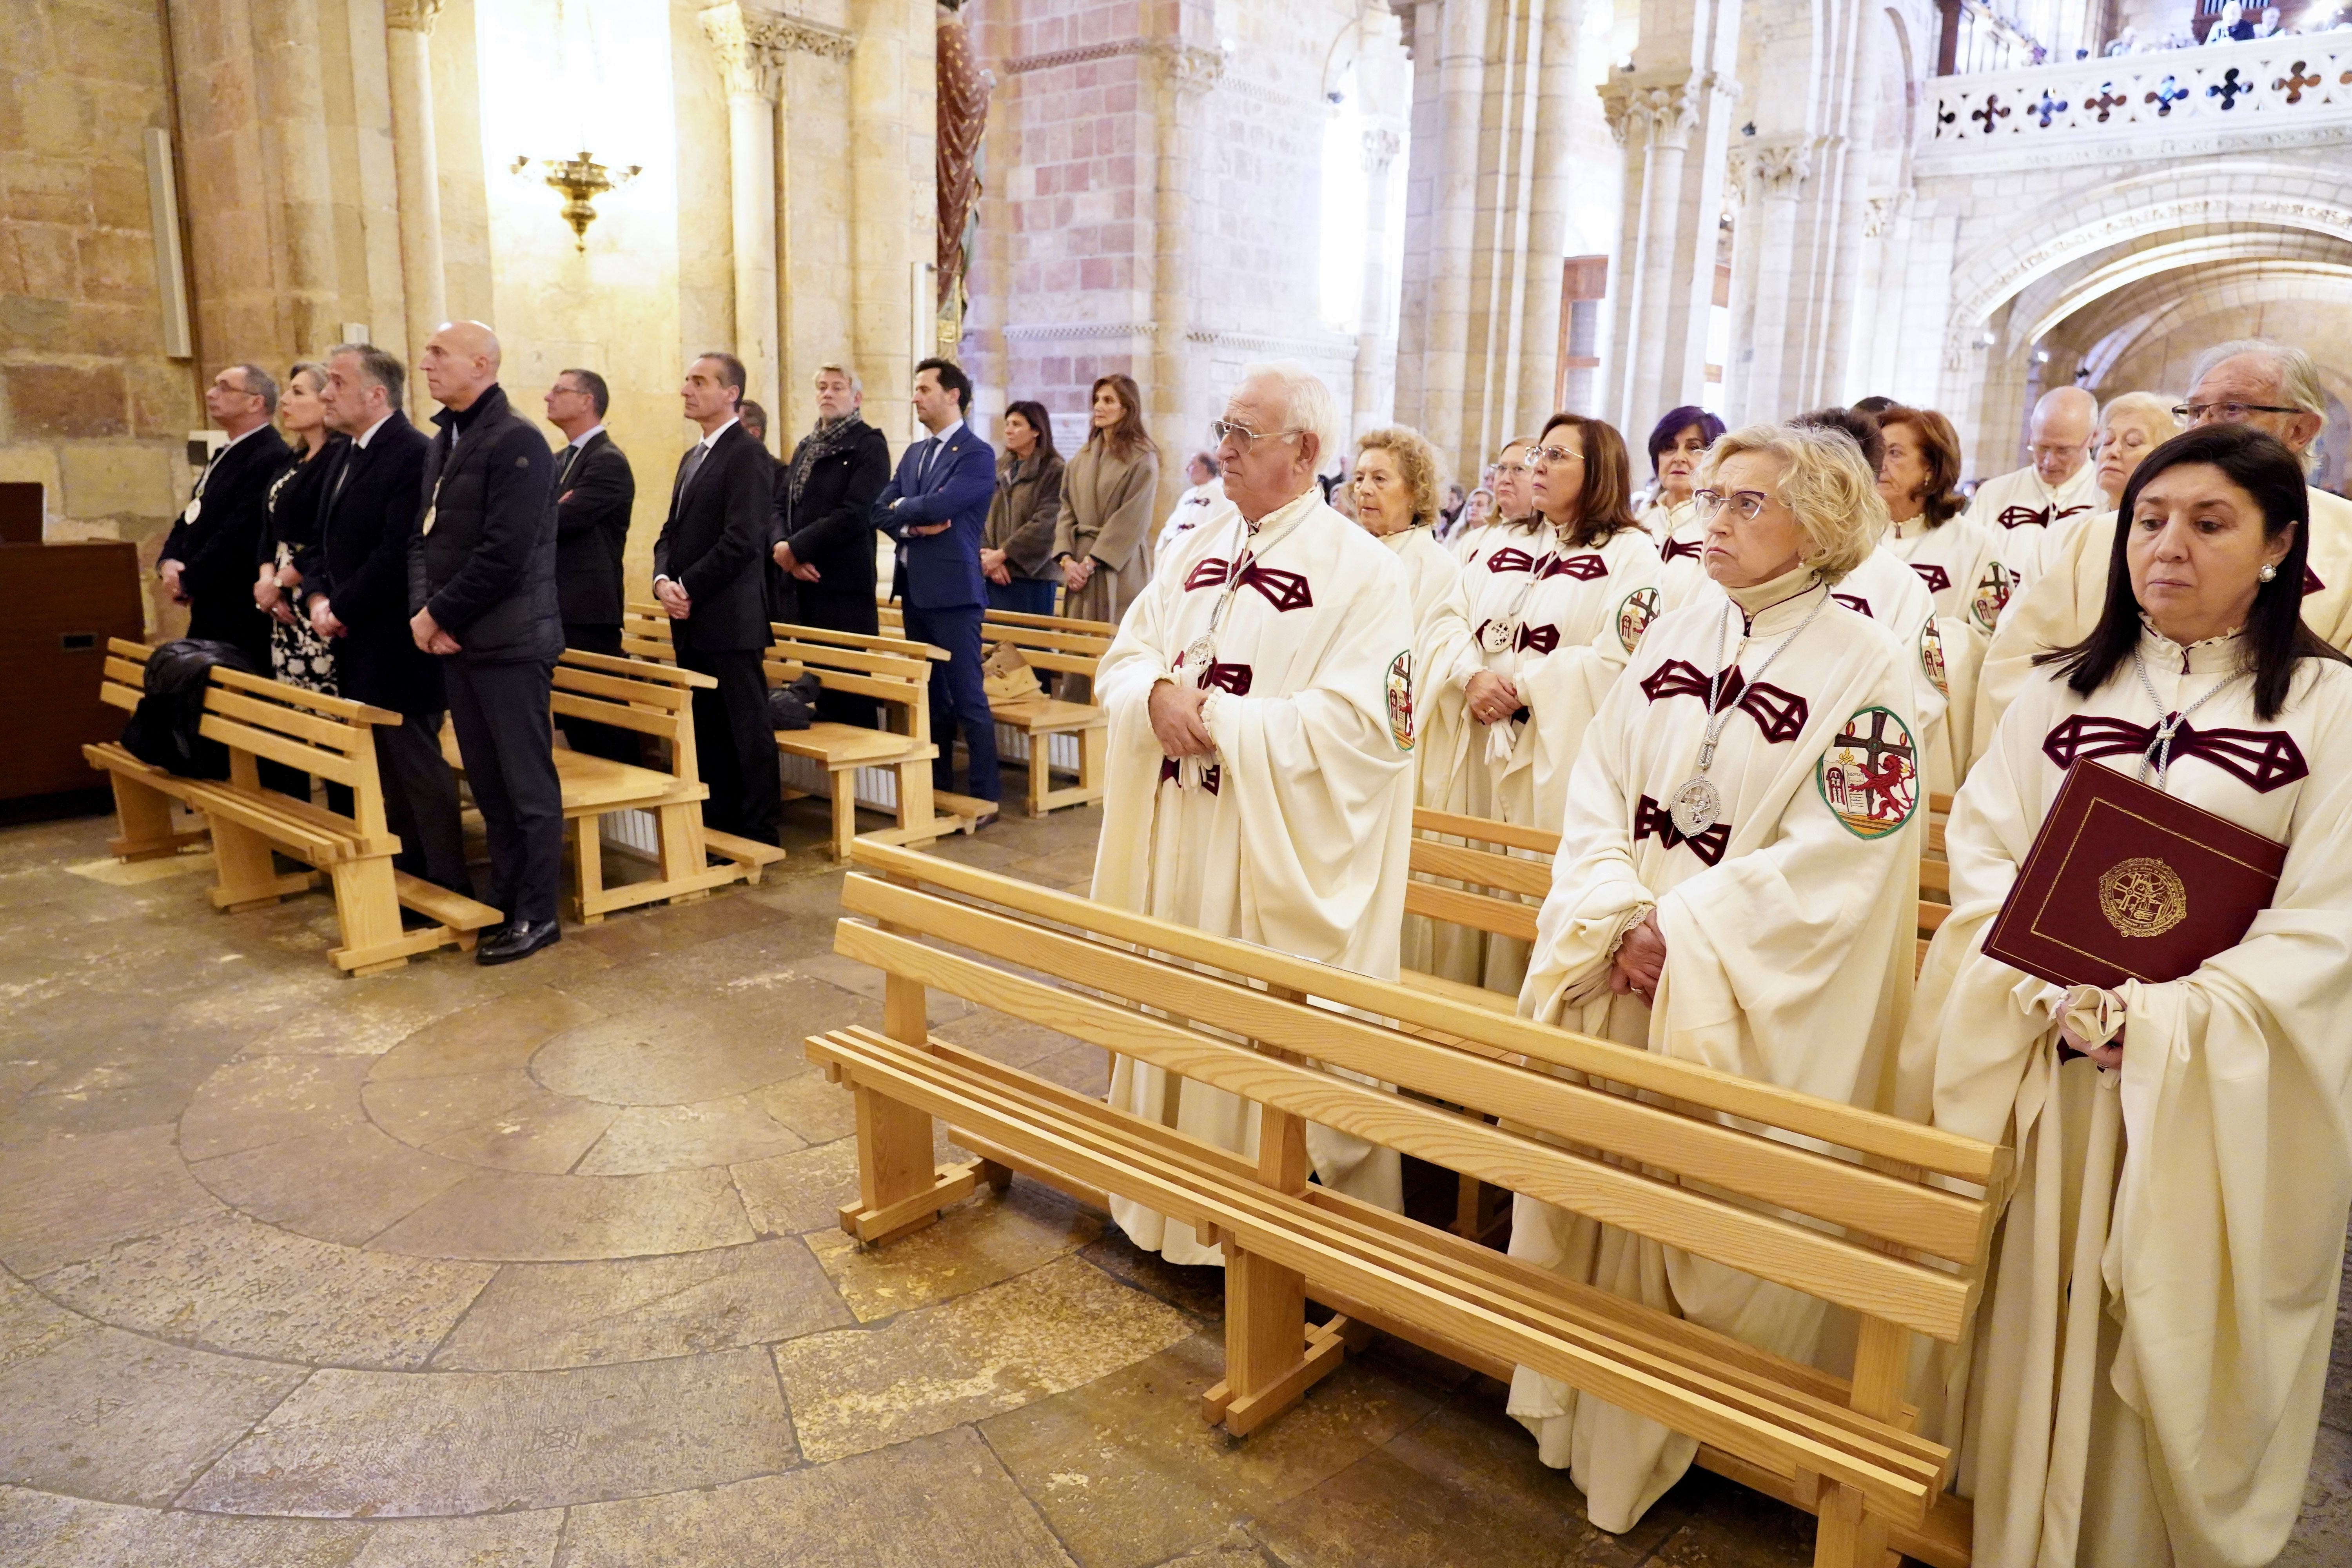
[[2297, 371], [377, 368], [1306, 403], [258, 384], [1824, 481], [2146, 408], [856, 382]]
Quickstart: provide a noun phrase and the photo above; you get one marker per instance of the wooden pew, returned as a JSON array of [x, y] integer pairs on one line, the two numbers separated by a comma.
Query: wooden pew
[[1894, 1229], [1054, 644], [894, 673], [325, 737]]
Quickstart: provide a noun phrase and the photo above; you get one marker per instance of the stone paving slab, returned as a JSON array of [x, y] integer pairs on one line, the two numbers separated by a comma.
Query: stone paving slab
[[522, 1219], [345, 1187], [70, 1198], [975, 1243], [259, 1100]]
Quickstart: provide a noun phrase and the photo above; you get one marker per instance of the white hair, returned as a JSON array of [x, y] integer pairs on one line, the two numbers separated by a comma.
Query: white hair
[[856, 382], [2297, 371], [1306, 402]]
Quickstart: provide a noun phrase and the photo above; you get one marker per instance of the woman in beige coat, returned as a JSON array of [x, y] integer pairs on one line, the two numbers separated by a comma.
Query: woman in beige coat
[[1103, 542]]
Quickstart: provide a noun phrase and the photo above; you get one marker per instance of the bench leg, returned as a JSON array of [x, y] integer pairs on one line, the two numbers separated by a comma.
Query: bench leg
[[367, 907], [1094, 759], [899, 1189], [682, 849], [1849, 1535], [1041, 774], [248, 878], [144, 814], [844, 811], [915, 808], [1272, 1357]]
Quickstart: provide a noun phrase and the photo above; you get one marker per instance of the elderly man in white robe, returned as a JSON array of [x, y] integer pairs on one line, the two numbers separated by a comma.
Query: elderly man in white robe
[[2267, 386], [2020, 509], [1736, 885], [2153, 1338], [1262, 706]]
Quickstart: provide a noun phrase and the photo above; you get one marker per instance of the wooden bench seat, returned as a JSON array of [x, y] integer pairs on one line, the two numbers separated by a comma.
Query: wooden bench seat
[[1882, 1229], [322, 737], [1054, 644]]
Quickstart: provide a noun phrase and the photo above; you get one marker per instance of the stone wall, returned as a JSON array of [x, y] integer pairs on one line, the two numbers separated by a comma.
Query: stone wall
[[89, 406]]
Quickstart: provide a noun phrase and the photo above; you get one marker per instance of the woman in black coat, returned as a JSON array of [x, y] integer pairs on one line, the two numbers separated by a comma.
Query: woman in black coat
[[838, 471]]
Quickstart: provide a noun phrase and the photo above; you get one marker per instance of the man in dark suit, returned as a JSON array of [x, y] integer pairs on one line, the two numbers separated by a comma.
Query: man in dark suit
[[481, 592], [594, 494], [708, 574], [355, 587], [783, 603], [838, 471], [207, 560], [936, 508]]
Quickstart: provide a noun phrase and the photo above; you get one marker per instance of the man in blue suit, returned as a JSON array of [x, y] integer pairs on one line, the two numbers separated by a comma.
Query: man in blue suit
[[936, 508]]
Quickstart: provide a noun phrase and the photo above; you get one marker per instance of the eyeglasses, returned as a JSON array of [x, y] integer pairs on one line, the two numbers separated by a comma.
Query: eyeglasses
[[1224, 430], [1747, 505], [2226, 413], [1554, 455]]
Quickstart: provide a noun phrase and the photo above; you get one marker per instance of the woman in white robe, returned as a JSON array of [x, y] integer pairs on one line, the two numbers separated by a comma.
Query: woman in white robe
[[1396, 488], [1591, 595], [1751, 907], [1677, 445], [2153, 1338], [1955, 562], [1287, 632]]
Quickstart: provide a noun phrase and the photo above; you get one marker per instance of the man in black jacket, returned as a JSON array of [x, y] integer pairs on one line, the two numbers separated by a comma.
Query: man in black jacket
[[481, 582], [207, 560], [783, 604], [594, 494], [709, 570], [355, 588], [838, 471]]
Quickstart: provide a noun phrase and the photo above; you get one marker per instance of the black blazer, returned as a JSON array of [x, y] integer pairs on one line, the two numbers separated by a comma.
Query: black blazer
[[831, 529], [487, 570], [294, 505], [217, 552], [714, 546], [592, 502], [360, 564]]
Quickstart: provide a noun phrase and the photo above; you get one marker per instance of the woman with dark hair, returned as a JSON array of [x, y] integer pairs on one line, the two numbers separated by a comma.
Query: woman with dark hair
[[1954, 558], [1677, 448], [1102, 540], [1593, 591], [298, 655], [1014, 549], [2145, 1378]]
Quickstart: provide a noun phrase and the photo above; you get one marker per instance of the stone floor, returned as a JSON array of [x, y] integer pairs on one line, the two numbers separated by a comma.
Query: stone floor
[[537, 1264]]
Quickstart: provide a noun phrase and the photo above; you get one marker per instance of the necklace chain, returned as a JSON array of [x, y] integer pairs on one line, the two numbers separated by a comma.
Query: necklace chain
[[2160, 745], [1716, 718]]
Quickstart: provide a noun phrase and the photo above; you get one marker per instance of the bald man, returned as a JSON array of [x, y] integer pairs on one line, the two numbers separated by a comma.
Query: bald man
[[2021, 510], [481, 584]]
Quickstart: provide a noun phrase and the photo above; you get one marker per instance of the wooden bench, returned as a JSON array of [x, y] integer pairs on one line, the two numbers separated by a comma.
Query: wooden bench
[[652, 699], [891, 671], [329, 738], [1645, 1143], [1055, 645]]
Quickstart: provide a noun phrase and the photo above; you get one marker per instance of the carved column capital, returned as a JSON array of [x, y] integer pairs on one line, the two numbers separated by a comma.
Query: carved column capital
[[1191, 70], [746, 64], [1380, 147], [1663, 111], [797, 34], [412, 16]]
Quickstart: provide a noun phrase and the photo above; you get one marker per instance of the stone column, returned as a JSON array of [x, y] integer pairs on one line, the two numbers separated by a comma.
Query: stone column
[[408, 37], [1462, 79], [1548, 193], [751, 70], [1764, 260], [1374, 403], [1188, 72]]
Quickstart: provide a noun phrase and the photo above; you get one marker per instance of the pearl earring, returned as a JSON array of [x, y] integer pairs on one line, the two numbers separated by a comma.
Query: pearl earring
[[2268, 573]]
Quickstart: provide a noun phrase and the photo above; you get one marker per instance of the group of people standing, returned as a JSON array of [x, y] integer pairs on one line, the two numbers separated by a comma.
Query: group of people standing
[[1731, 706]]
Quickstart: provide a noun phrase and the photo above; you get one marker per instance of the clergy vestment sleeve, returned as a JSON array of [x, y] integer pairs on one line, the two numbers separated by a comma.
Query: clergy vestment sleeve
[[1564, 687], [1596, 894]]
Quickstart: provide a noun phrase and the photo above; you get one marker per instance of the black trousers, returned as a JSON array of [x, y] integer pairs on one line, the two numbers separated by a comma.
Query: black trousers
[[499, 712], [959, 697], [735, 743], [420, 802], [587, 736], [841, 613]]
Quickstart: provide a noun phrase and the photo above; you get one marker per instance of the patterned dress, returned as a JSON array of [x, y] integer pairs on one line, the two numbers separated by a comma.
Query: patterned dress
[[299, 656]]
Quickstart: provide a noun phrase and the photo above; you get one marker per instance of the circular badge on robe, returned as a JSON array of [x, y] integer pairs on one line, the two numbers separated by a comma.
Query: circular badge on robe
[[1401, 700], [1990, 596], [1635, 611], [1869, 777], [1931, 656], [1496, 636]]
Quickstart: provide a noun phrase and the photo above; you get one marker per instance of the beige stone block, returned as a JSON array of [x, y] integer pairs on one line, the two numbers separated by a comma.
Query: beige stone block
[[35, 189], [63, 400], [163, 405], [28, 321], [117, 197], [114, 477], [34, 465], [116, 264], [111, 42], [38, 259], [57, 116]]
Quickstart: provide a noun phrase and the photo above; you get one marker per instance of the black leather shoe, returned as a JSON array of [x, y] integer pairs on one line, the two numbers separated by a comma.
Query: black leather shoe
[[520, 938]]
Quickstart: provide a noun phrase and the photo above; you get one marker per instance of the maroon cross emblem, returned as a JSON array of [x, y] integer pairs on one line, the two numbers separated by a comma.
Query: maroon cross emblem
[[1510, 559], [1854, 602], [1283, 590], [1584, 568], [2264, 760], [1934, 576], [1779, 714], [1680, 547], [2019, 515]]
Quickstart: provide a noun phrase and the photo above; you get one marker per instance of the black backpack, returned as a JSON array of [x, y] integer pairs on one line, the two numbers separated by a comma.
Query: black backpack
[[794, 707], [163, 728]]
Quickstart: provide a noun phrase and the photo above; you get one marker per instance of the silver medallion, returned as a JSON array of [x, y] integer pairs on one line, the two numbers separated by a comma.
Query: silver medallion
[[1494, 635], [196, 510], [1199, 652], [1695, 807]]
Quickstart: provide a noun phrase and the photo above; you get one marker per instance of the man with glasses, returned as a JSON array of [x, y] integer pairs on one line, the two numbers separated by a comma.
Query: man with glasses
[[2020, 509], [1260, 780]]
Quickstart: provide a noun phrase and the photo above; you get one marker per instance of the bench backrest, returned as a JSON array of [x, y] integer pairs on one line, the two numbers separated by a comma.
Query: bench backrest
[[888, 669], [331, 738], [1650, 1143], [1059, 644], [635, 693]]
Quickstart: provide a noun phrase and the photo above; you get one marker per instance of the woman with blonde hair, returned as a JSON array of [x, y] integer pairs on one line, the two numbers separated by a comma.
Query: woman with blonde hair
[[1103, 539], [1957, 560], [1736, 885], [1396, 487]]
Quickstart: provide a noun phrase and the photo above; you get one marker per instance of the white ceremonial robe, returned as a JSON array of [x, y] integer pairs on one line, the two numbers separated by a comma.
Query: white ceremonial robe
[[1583, 616], [2060, 609], [1295, 835], [2018, 512], [1683, 574], [1442, 748], [1958, 565], [2143, 1383], [1192, 508], [1790, 931], [1466, 541], [1496, 577]]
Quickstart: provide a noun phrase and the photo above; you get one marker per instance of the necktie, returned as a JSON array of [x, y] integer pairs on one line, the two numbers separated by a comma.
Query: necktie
[[693, 466], [923, 463], [571, 456]]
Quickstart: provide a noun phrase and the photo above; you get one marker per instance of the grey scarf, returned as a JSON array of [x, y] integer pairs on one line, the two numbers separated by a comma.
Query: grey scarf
[[830, 435]]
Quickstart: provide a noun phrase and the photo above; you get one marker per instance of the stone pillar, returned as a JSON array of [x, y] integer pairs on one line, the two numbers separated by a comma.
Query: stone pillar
[[1547, 194], [1757, 384], [1375, 392], [408, 36], [1462, 77], [751, 70], [894, 202], [1187, 73]]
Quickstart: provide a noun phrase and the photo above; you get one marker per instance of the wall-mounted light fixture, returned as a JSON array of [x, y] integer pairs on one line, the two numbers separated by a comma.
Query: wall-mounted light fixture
[[580, 181]]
